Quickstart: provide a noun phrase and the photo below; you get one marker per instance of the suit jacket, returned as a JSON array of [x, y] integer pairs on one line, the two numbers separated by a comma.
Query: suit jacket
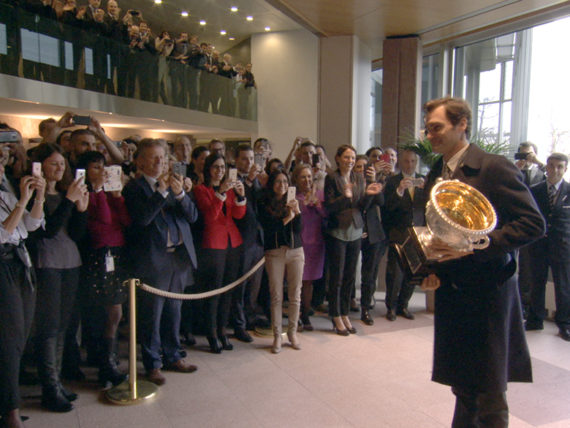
[[249, 226], [218, 215], [402, 212], [556, 243], [148, 234], [479, 337], [373, 220], [533, 176], [342, 210]]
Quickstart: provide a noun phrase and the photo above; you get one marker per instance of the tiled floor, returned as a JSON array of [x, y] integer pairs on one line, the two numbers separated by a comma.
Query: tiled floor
[[377, 378]]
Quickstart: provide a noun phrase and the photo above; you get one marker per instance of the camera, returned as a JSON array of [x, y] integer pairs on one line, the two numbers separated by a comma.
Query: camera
[[521, 156], [9, 137]]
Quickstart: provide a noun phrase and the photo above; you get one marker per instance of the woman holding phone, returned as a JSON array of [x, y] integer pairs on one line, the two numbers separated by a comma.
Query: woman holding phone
[[57, 263], [280, 218], [345, 197], [220, 201], [104, 264], [16, 286]]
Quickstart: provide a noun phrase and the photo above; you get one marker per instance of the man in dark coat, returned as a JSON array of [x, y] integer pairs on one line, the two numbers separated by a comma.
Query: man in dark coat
[[479, 341], [404, 208], [553, 199]]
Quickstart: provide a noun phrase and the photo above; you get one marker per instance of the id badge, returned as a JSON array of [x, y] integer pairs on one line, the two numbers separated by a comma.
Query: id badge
[[109, 262]]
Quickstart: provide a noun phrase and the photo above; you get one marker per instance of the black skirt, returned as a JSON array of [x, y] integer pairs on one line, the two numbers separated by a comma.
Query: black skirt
[[106, 287]]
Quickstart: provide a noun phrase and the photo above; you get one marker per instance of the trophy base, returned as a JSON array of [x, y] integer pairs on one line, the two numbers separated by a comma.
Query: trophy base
[[414, 255]]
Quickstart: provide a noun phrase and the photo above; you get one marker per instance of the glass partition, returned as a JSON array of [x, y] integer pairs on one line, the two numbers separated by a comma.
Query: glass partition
[[104, 57]]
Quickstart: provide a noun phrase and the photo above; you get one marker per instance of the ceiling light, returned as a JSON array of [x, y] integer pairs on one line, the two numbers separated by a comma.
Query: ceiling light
[[267, 28], [223, 32], [157, 1], [232, 38], [234, 8], [249, 18], [202, 22], [184, 13]]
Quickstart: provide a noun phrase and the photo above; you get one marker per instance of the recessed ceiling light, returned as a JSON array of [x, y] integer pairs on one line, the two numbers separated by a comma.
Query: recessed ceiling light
[[157, 1], [184, 13], [249, 18], [234, 8], [202, 22], [223, 32], [232, 38], [267, 28]]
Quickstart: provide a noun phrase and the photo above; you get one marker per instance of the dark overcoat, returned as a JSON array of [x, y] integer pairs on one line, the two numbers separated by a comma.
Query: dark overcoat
[[480, 342]]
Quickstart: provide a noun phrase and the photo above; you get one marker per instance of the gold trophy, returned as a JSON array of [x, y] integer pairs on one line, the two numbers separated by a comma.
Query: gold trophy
[[458, 215]]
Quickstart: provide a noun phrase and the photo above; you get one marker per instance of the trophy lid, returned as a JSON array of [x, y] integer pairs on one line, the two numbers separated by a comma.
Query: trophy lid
[[463, 207]]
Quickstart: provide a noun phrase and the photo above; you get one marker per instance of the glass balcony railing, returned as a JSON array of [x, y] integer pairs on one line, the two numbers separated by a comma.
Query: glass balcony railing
[[39, 47]]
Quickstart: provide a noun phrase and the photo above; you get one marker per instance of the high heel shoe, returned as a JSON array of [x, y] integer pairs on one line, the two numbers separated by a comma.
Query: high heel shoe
[[215, 345], [226, 344], [292, 336], [348, 325], [343, 332], [276, 347]]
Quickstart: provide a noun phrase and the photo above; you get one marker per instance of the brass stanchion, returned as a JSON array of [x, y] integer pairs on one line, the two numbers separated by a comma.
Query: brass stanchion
[[132, 391]]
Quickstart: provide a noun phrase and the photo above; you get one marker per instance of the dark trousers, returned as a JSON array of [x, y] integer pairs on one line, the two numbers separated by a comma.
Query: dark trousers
[[561, 278], [57, 299], [343, 258], [218, 268], [159, 320], [398, 289], [371, 255], [480, 410], [16, 312], [244, 298]]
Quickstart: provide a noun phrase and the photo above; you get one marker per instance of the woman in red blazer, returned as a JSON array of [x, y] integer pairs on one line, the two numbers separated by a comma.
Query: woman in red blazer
[[220, 201]]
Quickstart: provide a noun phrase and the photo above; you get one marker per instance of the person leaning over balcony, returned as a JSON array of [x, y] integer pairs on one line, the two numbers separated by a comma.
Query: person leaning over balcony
[[281, 221], [16, 285], [57, 261], [220, 201]]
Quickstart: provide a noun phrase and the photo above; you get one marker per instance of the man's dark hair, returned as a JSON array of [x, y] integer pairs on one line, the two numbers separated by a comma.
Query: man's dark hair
[[198, 150], [60, 136], [371, 149], [80, 132], [528, 144], [559, 157], [308, 143], [243, 148], [455, 110]]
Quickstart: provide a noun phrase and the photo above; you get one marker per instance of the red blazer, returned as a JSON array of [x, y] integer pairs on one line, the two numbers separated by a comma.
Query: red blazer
[[217, 225]]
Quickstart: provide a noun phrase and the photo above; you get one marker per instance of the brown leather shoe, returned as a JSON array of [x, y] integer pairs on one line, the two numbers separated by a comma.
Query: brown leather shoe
[[155, 376], [181, 366]]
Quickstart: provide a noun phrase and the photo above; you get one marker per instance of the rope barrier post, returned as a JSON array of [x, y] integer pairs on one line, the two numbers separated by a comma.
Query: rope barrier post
[[132, 391]]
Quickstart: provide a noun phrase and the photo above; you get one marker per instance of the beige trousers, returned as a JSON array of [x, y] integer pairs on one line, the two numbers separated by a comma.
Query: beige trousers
[[278, 262]]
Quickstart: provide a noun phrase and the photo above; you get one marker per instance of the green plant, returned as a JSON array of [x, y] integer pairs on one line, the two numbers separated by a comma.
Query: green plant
[[485, 139]]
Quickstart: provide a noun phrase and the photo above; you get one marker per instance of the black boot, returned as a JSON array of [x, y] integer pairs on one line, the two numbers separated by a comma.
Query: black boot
[[52, 396], [365, 316], [108, 370]]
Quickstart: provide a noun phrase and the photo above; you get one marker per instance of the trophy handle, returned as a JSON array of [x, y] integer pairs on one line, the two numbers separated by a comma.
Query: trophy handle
[[481, 243]]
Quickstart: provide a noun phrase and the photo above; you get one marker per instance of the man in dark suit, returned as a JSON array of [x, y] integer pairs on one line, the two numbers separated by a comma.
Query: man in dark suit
[[533, 173], [163, 255], [553, 199], [373, 247], [244, 299], [404, 207], [479, 342]]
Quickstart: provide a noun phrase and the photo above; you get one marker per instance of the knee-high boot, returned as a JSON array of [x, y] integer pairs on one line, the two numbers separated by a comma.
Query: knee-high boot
[[52, 395], [293, 323], [276, 325], [108, 370]]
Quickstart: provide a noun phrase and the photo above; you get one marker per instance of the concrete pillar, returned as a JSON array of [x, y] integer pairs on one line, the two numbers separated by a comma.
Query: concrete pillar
[[344, 93], [401, 89]]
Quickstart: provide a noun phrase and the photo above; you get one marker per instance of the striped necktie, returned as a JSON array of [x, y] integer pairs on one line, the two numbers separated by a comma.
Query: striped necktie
[[552, 194]]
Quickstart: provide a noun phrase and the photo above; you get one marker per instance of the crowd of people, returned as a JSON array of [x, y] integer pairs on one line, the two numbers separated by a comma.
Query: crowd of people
[[117, 52], [183, 218]]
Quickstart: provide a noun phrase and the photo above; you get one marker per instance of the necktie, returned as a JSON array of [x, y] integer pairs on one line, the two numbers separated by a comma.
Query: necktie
[[170, 221], [446, 173], [552, 195]]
